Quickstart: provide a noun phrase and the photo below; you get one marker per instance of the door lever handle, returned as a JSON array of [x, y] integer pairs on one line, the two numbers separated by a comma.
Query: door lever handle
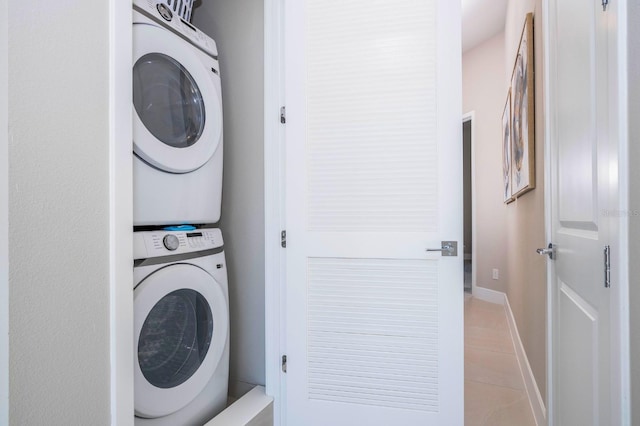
[[448, 248], [549, 251]]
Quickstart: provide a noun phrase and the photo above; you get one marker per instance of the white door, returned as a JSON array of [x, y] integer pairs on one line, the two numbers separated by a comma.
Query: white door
[[373, 178], [583, 187]]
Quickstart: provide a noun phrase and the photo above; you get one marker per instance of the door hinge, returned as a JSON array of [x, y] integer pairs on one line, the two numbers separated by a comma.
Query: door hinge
[[283, 239], [605, 3], [283, 115], [607, 266], [284, 363]]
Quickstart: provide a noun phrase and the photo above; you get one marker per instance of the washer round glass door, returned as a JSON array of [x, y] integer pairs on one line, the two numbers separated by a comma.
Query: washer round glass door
[[181, 328], [177, 120]]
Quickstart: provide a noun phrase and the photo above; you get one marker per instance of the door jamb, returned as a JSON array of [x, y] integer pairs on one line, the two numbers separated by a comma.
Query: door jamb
[[274, 162], [550, 394], [471, 116], [120, 213], [619, 106], [4, 215]]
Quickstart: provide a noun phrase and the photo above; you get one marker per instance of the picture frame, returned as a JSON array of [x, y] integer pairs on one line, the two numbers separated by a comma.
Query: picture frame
[[507, 193], [523, 178]]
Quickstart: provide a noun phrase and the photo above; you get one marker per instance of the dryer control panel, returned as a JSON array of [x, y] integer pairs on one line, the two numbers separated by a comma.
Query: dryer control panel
[[148, 244]]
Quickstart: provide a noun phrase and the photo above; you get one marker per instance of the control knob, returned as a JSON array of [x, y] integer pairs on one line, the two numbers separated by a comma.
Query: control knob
[[171, 242], [165, 12]]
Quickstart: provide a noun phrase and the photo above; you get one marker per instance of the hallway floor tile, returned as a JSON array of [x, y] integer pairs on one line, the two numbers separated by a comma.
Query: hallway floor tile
[[494, 387]]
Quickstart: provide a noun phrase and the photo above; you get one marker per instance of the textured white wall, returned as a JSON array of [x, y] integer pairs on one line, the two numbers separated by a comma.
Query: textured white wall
[[59, 212], [483, 91], [633, 17], [238, 28]]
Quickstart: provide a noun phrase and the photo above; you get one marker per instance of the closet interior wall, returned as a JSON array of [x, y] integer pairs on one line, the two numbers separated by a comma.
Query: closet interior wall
[[237, 26]]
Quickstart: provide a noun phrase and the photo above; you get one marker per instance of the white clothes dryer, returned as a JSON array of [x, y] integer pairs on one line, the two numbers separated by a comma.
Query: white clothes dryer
[[177, 120], [181, 325]]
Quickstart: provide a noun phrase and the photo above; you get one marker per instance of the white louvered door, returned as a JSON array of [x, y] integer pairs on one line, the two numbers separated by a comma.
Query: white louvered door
[[373, 179]]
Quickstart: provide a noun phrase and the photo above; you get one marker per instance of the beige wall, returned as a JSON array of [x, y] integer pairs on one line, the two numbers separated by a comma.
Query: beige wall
[[237, 27], [508, 235], [58, 100], [483, 91], [526, 282], [634, 203]]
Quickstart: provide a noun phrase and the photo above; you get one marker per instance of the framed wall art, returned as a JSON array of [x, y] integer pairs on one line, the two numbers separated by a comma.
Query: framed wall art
[[506, 151], [523, 178]]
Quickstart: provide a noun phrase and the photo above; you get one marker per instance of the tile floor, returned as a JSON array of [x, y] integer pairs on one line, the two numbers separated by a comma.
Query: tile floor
[[494, 391]]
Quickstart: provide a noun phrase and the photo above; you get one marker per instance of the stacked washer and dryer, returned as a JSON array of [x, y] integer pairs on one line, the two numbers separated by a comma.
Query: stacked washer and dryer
[[181, 298]]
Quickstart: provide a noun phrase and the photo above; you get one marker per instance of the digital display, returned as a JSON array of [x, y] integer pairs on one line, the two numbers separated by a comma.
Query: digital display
[[194, 234]]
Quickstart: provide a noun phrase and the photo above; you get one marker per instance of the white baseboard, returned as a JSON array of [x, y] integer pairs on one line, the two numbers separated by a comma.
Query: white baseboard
[[488, 295], [254, 408], [238, 388], [530, 385]]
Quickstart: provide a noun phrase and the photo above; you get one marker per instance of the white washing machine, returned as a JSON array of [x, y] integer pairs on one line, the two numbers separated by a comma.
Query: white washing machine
[[181, 325], [177, 120]]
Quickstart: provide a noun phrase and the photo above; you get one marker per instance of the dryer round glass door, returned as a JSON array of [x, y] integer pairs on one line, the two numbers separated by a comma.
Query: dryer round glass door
[[167, 100], [181, 325], [177, 120]]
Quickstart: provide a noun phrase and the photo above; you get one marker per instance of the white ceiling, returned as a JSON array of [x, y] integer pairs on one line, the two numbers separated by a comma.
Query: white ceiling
[[481, 20]]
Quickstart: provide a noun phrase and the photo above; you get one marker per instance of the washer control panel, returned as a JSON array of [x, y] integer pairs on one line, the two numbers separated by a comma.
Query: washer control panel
[[163, 15], [148, 244], [171, 242]]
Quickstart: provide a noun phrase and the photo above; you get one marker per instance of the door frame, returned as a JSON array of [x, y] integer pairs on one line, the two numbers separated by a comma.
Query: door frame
[[471, 116], [274, 206], [121, 212], [4, 214], [618, 107]]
